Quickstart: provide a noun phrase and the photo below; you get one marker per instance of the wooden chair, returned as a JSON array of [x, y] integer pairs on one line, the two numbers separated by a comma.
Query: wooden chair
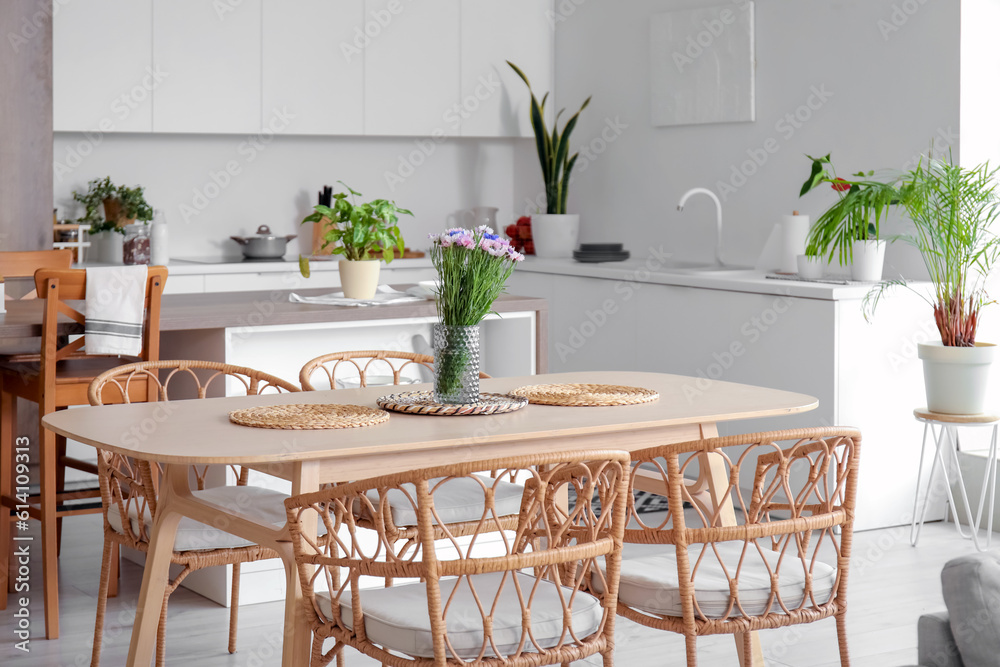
[[58, 379], [361, 363], [765, 556], [484, 609], [23, 264], [129, 487]]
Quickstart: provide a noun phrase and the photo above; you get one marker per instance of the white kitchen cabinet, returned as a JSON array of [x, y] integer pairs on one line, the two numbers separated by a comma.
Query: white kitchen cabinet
[[313, 66], [412, 67], [864, 374], [102, 66], [210, 53], [494, 101]]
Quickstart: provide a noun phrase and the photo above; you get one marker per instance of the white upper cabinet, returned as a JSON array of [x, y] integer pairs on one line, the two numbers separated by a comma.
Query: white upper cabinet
[[313, 64], [209, 52], [102, 68], [412, 67], [495, 102]]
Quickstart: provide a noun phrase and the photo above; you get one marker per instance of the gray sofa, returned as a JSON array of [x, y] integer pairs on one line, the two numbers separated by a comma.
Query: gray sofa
[[968, 634]]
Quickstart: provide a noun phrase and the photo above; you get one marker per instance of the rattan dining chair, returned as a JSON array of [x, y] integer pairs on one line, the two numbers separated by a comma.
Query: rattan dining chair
[[469, 601], [401, 527], [129, 486], [362, 365], [786, 559]]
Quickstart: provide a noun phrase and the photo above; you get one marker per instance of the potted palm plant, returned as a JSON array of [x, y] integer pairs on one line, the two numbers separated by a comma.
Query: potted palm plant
[[364, 234], [953, 210], [851, 227], [555, 233]]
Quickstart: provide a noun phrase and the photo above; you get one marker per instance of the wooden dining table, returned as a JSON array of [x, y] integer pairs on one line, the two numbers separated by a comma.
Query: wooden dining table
[[199, 432]]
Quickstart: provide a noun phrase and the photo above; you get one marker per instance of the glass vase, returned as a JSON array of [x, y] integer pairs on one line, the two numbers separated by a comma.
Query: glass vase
[[456, 364]]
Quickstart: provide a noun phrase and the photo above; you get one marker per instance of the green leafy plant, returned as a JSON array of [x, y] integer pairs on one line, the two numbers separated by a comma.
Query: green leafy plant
[[863, 203], [553, 148], [953, 210], [359, 230], [473, 266], [121, 204]]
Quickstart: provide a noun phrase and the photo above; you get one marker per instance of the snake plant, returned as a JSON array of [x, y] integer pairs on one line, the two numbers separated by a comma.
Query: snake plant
[[553, 148]]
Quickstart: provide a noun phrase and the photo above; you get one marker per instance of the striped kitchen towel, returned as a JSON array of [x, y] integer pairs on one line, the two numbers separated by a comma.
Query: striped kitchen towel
[[115, 299]]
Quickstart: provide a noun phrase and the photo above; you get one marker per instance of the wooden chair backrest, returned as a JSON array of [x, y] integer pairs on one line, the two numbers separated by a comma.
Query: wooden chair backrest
[[24, 263], [378, 361], [58, 287]]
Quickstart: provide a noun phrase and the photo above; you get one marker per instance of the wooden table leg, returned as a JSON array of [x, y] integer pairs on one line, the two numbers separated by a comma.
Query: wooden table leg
[[297, 642], [50, 555], [156, 572], [717, 480]]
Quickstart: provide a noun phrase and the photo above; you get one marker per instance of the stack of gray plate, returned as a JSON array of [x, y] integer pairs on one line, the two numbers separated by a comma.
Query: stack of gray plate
[[600, 252]]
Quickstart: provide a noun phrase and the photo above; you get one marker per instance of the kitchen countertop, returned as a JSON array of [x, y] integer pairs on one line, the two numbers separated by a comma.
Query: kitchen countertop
[[655, 270], [196, 267], [222, 310]]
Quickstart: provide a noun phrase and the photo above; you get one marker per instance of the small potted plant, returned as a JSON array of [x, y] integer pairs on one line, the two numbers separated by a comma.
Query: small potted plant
[[473, 266], [364, 234], [851, 227], [121, 205], [953, 210], [554, 233]]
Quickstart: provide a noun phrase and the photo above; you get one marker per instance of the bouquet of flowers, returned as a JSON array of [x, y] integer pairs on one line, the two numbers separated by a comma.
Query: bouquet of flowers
[[472, 266]]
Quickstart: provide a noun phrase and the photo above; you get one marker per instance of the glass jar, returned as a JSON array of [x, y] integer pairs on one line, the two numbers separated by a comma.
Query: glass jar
[[135, 249]]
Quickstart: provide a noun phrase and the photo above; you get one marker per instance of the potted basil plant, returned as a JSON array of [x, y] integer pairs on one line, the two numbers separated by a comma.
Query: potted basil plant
[[954, 212], [555, 233], [364, 234], [851, 227]]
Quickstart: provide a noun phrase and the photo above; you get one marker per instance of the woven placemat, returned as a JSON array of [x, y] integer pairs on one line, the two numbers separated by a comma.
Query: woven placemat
[[423, 403], [308, 417], [585, 394]]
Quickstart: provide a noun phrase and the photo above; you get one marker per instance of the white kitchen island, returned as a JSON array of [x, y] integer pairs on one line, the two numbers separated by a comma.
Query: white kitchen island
[[739, 326]]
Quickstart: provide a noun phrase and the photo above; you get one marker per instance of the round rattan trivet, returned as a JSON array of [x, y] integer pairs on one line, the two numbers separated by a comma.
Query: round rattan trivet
[[422, 403], [585, 394], [308, 417]]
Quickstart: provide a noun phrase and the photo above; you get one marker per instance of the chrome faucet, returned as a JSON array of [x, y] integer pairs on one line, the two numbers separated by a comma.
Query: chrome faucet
[[718, 218]]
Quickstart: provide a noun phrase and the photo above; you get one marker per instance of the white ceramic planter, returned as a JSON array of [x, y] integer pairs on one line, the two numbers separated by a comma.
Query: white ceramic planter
[[810, 266], [107, 247], [555, 236], [955, 378], [868, 259], [359, 278]]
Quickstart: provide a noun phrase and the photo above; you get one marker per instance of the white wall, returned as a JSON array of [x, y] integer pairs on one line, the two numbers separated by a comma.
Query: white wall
[[892, 80], [277, 177], [980, 62]]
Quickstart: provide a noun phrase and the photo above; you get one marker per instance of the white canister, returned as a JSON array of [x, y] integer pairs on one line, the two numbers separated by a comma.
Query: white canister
[[3, 307], [159, 252], [794, 232]]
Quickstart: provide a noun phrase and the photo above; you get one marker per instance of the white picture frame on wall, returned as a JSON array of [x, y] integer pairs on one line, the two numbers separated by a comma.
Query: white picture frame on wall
[[702, 64]]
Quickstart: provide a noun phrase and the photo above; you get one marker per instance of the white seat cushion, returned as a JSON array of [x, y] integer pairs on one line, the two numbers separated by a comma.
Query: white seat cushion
[[397, 619], [262, 505], [649, 579], [457, 500]]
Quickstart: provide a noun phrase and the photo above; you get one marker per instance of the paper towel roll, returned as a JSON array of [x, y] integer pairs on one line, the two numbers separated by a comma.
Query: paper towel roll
[[794, 232]]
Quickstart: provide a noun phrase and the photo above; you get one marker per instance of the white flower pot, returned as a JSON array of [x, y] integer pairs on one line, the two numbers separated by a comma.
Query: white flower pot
[[359, 278], [868, 259], [107, 247], [810, 266], [955, 378], [555, 236]]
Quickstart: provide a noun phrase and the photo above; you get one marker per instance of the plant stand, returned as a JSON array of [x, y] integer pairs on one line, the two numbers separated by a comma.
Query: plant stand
[[944, 430]]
